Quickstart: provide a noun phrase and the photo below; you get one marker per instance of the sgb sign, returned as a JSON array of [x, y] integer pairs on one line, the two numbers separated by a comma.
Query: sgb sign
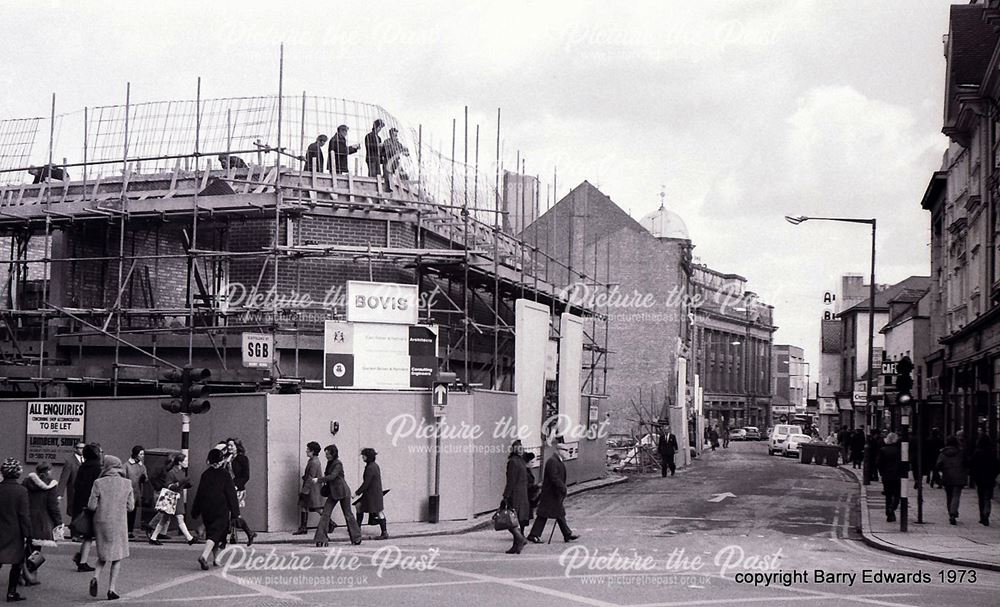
[[258, 350]]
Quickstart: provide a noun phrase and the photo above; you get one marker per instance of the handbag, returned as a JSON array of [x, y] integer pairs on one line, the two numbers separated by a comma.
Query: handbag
[[83, 524], [325, 490], [505, 519], [167, 501], [34, 561]]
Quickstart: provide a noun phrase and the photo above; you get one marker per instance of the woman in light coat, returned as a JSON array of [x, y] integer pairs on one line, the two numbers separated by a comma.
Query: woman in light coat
[[111, 500], [135, 472]]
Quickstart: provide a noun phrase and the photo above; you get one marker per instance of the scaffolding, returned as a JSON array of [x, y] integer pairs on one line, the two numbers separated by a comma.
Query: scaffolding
[[155, 189]]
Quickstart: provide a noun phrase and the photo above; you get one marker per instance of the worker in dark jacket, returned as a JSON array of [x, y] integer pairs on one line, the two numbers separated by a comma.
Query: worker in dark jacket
[[951, 464], [314, 154], [373, 149], [339, 150], [667, 447], [984, 470], [15, 524], [215, 502], [90, 471], [553, 493], [371, 493], [888, 463], [515, 495]]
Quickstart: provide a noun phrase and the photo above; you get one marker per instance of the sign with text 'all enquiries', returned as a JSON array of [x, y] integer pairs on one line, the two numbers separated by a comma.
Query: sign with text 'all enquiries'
[[382, 302], [53, 428], [371, 356]]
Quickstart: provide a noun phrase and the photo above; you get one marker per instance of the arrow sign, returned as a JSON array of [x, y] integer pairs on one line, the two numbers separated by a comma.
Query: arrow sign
[[440, 395], [718, 497]]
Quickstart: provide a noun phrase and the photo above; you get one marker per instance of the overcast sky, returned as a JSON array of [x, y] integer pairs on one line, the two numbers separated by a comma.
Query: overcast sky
[[744, 110]]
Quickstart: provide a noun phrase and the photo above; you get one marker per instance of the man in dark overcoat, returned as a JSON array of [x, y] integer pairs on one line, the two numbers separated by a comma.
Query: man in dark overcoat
[[553, 493], [667, 447], [888, 462], [67, 478], [15, 524]]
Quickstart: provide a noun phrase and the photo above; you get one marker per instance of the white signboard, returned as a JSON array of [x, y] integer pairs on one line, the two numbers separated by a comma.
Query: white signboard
[[382, 302], [571, 450], [378, 356], [258, 350], [53, 428]]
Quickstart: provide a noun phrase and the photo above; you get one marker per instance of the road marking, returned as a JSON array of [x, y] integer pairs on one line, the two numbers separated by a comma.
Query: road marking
[[718, 497], [184, 579], [566, 596], [762, 599]]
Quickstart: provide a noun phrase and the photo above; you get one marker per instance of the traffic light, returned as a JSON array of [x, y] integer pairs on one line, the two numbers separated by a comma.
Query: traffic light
[[188, 390], [904, 383]]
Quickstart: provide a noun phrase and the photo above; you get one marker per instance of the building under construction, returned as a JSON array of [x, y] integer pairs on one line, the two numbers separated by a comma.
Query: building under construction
[[178, 226]]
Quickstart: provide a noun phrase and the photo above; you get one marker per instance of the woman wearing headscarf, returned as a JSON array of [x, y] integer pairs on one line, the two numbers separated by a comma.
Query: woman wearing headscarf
[[515, 495], [111, 500], [336, 491], [984, 470], [371, 493], [216, 504], [135, 472], [174, 477], [43, 510], [89, 472], [15, 524], [240, 468]]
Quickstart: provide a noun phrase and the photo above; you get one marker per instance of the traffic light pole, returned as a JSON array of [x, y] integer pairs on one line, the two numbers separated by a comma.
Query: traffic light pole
[[185, 437], [918, 423]]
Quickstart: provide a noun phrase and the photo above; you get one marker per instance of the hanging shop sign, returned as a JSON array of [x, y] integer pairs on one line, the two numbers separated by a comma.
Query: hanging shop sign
[[53, 428], [382, 302], [369, 356]]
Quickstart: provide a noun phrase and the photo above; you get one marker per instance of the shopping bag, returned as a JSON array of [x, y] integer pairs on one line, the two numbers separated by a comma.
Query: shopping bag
[[167, 501], [58, 533], [505, 519], [83, 524], [34, 561]]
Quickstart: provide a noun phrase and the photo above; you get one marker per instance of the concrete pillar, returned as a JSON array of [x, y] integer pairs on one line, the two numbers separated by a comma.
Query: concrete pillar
[[678, 413]]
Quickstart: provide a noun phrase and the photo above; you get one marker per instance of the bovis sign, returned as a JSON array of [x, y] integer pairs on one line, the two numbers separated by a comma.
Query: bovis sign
[[382, 302]]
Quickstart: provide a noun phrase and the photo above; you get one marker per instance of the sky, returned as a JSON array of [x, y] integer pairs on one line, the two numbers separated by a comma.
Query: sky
[[742, 111]]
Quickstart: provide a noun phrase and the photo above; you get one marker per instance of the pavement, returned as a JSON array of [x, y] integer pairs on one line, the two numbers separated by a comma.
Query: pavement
[[425, 529], [967, 544]]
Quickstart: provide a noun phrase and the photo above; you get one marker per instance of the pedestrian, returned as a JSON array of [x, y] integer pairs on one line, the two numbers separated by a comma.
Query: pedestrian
[[534, 488], [174, 478], [875, 444], [339, 151], [888, 463], [844, 442], [394, 152], [336, 490], [515, 495], [90, 471], [67, 478], [857, 448], [932, 448], [984, 470], [15, 524], [550, 505], [725, 436], [135, 472], [373, 149], [371, 493], [951, 464], [240, 467], [310, 499], [43, 510], [216, 504], [110, 500], [314, 154], [667, 447], [713, 437]]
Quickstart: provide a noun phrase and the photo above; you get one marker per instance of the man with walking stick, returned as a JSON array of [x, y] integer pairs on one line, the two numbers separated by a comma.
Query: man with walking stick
[[553, 493]]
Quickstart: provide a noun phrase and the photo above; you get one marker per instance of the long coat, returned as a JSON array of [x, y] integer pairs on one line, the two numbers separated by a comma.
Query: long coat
[[857, 445], [371, 489], [334, 479], [888, 461], [67, 479], [667, 446], [110, 500], [215, 502], [89, 472], [983, 466], [310, 491], [951, 463], [15, 524], [176, 479], [553, 489], [515, 492], [241, 471], [136, 473], [43, 506]]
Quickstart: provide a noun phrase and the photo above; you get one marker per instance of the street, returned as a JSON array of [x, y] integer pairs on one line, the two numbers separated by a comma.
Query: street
[[652, 541]]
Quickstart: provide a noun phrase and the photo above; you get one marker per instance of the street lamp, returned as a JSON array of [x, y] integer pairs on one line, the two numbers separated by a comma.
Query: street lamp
[[796, 220]]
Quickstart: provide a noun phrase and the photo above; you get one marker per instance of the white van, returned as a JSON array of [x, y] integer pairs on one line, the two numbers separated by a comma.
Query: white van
[[780, 434]]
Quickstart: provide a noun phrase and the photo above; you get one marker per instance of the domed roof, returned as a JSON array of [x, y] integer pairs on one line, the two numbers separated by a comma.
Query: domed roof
[[664, 223]]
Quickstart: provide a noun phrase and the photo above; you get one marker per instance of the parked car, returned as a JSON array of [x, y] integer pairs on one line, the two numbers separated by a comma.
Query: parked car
[[792, 444], [752, 433], [778, 437], [737, 434]]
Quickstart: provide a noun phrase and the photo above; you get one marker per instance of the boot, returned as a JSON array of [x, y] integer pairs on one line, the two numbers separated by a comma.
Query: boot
[[303, 521], [251, 534], [382, 525]]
